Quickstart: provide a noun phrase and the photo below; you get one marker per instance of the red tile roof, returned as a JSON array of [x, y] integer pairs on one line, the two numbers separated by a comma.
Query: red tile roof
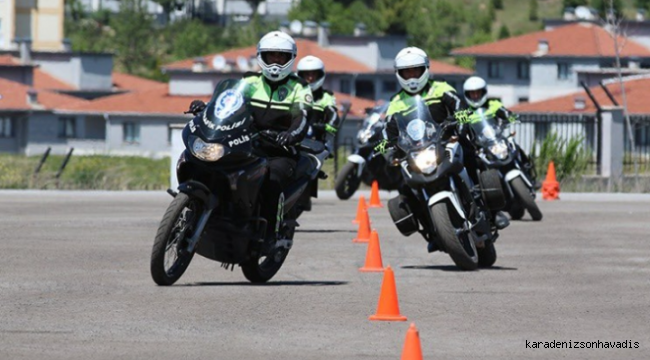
[[636, 91], [8, 60], [43, 80], [135, 83], [335, 62], [439, 67], [579, 40], [158, 101], [14, 97]]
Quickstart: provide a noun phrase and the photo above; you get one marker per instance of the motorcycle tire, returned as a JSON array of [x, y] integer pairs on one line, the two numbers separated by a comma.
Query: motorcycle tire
[[461, 249], [526, 198], [487, 255], [181, 216], [262, 267], [347, 182], [516, 211], [492, 190]]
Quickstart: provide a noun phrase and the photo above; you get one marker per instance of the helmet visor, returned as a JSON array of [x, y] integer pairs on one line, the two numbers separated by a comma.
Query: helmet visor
[[475, 95], [276, 57], [411, 73], [311, 75]]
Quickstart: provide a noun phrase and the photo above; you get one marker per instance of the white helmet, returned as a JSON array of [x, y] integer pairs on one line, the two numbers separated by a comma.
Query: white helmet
[[412, 57], [276, 41], [312, 63], [475, 83]]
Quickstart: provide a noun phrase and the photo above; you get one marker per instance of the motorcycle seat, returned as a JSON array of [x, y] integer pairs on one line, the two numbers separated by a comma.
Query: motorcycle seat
[[312, 146]]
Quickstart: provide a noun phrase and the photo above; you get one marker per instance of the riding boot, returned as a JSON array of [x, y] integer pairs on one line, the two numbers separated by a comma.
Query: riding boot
[[501, 220]]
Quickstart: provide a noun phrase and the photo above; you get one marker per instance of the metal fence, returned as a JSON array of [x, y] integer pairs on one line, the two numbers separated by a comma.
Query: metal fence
[[641, 153]]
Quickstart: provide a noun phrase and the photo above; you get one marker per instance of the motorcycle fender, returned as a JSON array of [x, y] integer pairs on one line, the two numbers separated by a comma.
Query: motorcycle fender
[[515, 173], [197, 190], [357, 159], [440, 196]]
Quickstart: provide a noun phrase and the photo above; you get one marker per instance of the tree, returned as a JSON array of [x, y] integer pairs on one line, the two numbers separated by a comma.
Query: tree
[[439, 36], [133, 40], [504, 33], [604, 6], [532, 11], [497, 4], [574, 3]]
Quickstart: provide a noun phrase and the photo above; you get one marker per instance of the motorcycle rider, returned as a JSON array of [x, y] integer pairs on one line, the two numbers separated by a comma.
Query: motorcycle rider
[[280, 101], [475, 92], [412, 72], [324, 117]]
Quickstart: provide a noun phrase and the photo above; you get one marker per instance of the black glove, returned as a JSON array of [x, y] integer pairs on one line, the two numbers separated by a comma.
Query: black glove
[[197, 106], [285, 138]]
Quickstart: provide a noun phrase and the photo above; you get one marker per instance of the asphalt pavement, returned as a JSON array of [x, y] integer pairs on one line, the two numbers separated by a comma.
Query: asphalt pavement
[[75, 284]]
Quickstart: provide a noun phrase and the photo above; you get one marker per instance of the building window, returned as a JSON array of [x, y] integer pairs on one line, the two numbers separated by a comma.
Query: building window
[[389, 86], [346, 86], [6, 127], [494, 69], [523, 70], [522, 100], [67, 127], [131, 132], [563, 71]]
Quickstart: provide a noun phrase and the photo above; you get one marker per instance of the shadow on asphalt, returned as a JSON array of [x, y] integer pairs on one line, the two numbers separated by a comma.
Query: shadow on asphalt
[[271, 283], [452, 268]]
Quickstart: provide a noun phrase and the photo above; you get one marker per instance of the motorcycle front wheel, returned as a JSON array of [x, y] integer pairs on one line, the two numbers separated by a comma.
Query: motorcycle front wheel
[[459, 246], [169, 259], [263, 266], [523, 194], [347, 182]]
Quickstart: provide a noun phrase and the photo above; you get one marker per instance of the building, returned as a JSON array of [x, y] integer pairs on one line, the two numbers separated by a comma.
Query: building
[[545, 64], [40, 21]]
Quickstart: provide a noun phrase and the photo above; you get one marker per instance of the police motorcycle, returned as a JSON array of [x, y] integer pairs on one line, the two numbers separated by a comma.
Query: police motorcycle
[[497, 150], [441, 204], [216, 210], [365, 165]]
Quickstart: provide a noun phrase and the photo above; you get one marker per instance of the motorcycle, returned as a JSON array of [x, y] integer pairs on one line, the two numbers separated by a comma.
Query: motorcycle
[[441, 204], [497, 150], [364, 165], [216, 210]]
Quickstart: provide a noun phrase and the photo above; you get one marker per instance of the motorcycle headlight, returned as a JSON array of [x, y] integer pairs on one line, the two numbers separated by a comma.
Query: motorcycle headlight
[[500, 150], [426, 160], [364, 136], [206, 151]]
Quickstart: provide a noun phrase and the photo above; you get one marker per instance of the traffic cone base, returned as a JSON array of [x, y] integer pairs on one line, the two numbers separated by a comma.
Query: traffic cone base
[[374, 196], [360, 208], [550, 186], [373, 255], [388, 307], [363, 234], [412, 347]]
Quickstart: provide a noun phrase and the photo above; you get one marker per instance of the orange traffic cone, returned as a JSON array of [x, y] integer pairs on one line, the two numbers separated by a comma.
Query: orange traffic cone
[[374, 196], [363, 234], [360, 208], [412, 348], [373, 255], [388, 307], [550, 186]]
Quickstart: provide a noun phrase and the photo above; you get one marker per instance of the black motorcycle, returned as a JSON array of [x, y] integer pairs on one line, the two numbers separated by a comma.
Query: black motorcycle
[[441, 204], [497, 150], [216, 210], [364, 165]]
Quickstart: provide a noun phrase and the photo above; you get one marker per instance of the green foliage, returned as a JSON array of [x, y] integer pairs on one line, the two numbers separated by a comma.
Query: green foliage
[[603, 7], [504, 33], [570, 157], [574, 3], [437, 37], [85, 173], [532, 11], [642, 4], [497, 4]]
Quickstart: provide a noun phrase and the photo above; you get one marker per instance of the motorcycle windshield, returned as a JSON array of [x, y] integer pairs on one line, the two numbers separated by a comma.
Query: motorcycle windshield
[[226, 115], [417, 130], [485, 128]]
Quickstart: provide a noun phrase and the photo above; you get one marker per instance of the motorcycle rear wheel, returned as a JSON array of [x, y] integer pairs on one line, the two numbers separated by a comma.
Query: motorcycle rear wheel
[[461, 249], [347, 182], [169, 259]]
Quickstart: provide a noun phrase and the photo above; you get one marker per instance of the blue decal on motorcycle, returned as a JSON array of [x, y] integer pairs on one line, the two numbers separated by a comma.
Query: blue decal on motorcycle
[[415, 129], [227, 103]]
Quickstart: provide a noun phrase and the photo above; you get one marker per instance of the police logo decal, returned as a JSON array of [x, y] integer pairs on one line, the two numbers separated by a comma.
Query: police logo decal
[[309, 98], [282, 93], [227, 103]]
